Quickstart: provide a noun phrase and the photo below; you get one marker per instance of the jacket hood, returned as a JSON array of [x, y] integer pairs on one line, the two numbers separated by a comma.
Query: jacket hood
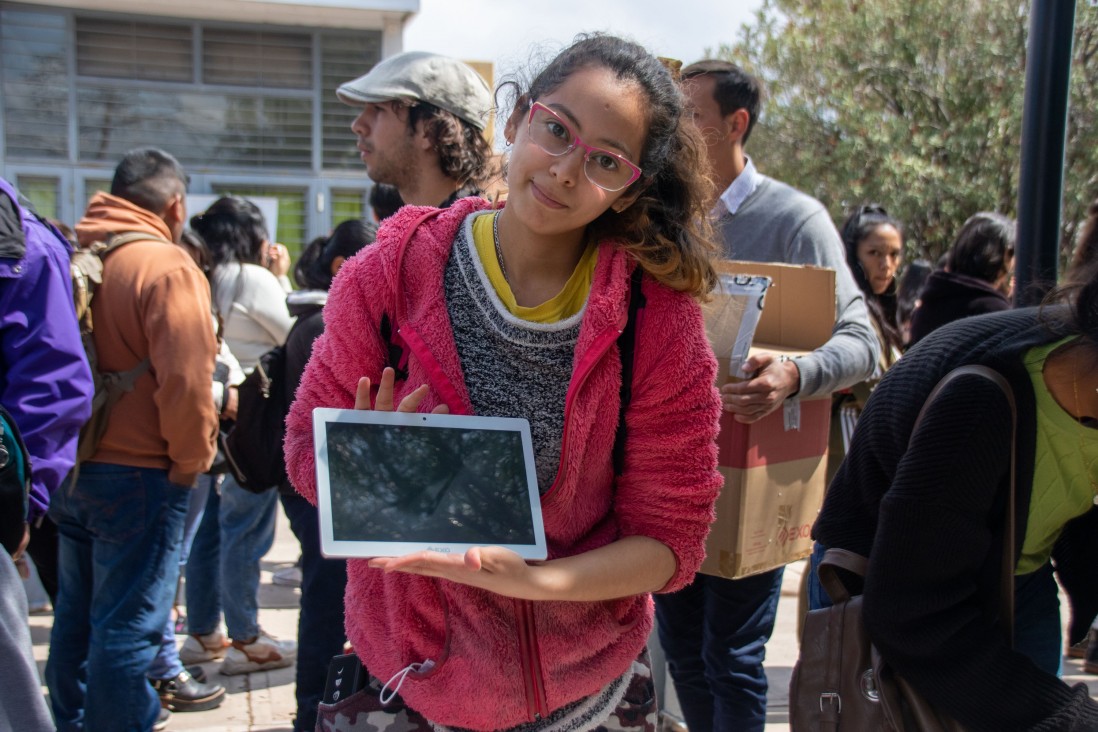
[[109, 214], [302, 302], [947, 285]]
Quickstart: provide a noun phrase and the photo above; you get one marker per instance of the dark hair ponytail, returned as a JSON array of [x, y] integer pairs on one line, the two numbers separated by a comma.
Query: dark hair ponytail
[[234, 231], [314, 268]]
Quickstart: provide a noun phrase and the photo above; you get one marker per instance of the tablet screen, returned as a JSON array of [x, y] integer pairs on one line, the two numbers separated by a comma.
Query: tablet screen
[[401, 482]]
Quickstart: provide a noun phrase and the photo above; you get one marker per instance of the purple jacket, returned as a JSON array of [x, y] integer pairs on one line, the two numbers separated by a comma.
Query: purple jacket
[[45, 381]]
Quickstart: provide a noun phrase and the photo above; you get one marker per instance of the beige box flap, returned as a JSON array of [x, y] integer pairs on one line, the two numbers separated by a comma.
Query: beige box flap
[[800, 306]]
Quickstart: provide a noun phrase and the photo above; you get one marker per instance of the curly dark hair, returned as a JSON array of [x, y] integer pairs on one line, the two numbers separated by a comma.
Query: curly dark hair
[[463, 151], [667, 229], [314, 268]]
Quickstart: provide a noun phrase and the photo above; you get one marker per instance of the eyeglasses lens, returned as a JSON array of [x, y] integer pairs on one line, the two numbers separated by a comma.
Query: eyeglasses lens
[[603, 168]]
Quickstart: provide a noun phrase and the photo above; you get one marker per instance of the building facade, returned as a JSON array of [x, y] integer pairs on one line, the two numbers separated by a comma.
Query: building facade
[[241, 91]]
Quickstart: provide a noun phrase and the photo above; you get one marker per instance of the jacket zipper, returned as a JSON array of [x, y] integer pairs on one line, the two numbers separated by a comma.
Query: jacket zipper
[[584, 368], [537, 707]]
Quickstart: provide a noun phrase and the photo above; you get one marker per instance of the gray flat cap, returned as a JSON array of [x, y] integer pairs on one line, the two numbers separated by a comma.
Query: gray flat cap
[[418, 76]]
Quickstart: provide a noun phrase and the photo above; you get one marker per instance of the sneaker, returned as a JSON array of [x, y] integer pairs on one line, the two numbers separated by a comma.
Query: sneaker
[[289, 577], [203, 648], [185, 694], [162, 721], [262, 653], [1079, 650], [1090, 659]]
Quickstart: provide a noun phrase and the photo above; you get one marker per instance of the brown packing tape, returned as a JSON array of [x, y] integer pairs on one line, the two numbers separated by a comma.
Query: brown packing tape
[[764, 517]]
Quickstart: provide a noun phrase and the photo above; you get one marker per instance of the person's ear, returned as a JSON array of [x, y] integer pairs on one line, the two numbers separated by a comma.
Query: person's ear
[[736, 124], [421, 139], [510, 130], [629, 198], [337, 262], [175, 214]]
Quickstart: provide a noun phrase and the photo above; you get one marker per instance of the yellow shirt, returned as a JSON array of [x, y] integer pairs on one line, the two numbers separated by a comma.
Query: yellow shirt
[[1065, 468], [566, 303]]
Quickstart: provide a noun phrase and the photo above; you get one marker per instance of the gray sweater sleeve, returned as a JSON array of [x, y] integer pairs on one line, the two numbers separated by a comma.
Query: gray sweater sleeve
[[853, 349]]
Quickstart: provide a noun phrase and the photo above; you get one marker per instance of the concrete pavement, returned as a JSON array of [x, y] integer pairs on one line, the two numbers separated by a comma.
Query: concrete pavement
[[264, 702]]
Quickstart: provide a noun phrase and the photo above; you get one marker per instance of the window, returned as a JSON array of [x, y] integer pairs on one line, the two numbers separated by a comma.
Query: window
[[238, 57], [42, 192], [252, 103], [342, 58], [349, 204], [34, 85], [226, 130], [124, 49]]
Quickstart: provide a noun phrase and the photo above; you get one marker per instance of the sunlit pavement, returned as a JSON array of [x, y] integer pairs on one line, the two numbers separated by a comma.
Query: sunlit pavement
[[264, 701]]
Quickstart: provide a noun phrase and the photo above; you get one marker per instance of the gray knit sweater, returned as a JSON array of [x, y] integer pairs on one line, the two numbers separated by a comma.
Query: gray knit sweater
[[777, 223], [512, 367]]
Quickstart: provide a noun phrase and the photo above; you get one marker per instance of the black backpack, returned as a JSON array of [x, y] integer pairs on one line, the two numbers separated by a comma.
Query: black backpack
[[252, 446], [15, 473]]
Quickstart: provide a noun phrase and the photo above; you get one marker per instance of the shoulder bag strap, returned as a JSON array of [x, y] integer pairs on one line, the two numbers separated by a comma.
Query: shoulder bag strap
[[389, 325], [1006, 583], [833, 560], [401, 248], [627, 343], [856, 564]]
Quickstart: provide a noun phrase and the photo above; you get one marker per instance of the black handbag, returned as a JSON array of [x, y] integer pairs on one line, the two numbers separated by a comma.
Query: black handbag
[[840, 682]]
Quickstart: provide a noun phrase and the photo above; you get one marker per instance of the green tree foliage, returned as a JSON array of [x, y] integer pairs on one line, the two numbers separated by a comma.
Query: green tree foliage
[[915, 105]]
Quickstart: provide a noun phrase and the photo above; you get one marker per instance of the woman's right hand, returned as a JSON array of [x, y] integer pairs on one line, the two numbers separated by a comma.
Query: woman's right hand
[[384, 400], [278, 259]]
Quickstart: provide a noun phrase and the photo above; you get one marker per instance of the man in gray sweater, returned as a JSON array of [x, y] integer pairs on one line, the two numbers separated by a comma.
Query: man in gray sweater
[[714, 632]]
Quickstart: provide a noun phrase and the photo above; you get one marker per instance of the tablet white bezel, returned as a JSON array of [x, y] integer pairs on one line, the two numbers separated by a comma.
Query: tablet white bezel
[[332, 547]]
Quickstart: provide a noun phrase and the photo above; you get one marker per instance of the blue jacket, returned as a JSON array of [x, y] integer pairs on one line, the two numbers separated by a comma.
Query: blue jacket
[[45, 382]]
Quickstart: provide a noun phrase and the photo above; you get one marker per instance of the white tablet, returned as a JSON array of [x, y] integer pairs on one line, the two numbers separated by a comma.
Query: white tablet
[[392, 483]]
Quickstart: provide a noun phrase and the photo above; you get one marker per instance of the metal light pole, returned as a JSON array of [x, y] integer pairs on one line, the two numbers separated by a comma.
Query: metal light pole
[[1044, 135]]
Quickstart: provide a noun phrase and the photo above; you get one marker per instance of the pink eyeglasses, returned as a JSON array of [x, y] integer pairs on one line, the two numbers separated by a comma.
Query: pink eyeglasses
[[609, 171]]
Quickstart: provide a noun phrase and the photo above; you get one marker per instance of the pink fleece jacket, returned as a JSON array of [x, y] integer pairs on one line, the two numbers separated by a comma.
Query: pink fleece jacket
[[500, 662]]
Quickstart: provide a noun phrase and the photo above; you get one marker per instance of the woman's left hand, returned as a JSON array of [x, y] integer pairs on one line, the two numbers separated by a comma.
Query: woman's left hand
[[490, 568]]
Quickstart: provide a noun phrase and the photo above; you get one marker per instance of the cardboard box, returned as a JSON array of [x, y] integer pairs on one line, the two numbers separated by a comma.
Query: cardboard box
[[774, 470]]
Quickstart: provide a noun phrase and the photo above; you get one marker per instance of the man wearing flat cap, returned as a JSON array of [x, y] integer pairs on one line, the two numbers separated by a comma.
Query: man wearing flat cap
[[421, 126], [421, 131]]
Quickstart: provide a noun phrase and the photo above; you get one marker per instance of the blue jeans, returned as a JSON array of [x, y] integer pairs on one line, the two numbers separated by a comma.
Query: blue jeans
[[817, 595], [320, 633], [1037, 631], [714, 633], [166, 665], [236, 531], [120, 531]]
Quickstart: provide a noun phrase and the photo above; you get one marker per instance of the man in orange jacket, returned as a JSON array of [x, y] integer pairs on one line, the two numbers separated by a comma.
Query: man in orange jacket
[[120, 525]]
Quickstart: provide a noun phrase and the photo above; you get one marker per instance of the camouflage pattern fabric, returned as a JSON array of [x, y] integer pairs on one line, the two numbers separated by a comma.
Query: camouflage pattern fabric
[[627, 704]]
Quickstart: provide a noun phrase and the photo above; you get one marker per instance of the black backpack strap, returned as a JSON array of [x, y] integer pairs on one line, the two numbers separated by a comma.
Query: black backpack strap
[[627, 343], [396, 357]]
